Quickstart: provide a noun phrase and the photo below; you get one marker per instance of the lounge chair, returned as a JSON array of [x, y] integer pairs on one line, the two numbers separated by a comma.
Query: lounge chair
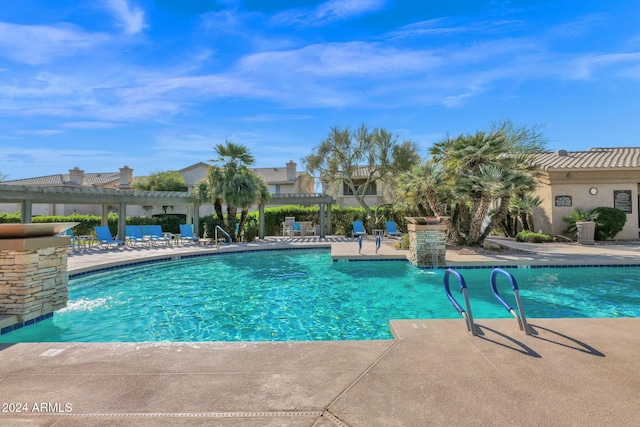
[[133, 235], [358, 229], [287, 225], [103, 234], [308, 228], [392, 229], [186, 233], [296, 227], [154, 233]]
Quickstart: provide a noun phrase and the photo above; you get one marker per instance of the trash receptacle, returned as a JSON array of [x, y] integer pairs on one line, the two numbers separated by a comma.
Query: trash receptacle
[[586, 232]]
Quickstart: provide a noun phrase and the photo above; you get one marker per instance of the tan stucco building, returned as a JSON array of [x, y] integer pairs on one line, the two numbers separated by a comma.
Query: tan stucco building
[[589, 179], [377, 193], [280, 180]]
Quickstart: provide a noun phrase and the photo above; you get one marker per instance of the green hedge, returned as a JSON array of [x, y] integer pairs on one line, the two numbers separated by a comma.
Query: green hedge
[[531, 237], [342, 219], [87, 222]]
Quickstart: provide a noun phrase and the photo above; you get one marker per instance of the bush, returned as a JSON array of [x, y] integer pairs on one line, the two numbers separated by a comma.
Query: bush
[[532, 237], [404, 241], [579, 215], [609, 223]]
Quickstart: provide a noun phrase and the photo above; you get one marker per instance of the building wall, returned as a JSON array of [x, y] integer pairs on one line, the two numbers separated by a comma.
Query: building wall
[[351, 202], [576, 185], [337, 191], [194, 175], [542, 217]]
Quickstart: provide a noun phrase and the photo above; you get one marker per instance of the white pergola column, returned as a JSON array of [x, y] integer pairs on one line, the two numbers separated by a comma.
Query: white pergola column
[[26, 208], [122, 220]]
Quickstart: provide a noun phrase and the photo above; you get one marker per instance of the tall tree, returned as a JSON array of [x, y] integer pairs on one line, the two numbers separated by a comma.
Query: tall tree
[[230, 182], [162, 181], [521, 210], [358, 159]]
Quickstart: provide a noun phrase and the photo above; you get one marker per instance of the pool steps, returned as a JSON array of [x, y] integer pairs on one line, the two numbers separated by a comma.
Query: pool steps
[[466, 314]]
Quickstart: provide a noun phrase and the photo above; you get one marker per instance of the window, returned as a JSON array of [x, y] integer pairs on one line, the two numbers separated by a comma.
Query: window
[[371, 191], [274, 189]]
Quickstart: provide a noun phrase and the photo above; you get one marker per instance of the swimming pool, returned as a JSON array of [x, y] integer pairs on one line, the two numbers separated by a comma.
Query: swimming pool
[[304, 295]]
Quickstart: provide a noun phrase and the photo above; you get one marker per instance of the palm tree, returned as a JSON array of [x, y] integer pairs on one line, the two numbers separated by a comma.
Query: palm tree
[[482, 170], [261, 194], [522, 208], [230, 181]]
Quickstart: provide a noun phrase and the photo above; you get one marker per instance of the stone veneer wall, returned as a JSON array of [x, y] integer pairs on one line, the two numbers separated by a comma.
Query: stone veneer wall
[[427, 247], [33, 277]]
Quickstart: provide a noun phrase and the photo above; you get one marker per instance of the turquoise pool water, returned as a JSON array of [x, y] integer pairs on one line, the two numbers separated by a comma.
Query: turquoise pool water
[[303, 295]]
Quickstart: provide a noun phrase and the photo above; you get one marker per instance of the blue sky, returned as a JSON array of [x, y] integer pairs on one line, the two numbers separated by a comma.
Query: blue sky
[[156, 84]]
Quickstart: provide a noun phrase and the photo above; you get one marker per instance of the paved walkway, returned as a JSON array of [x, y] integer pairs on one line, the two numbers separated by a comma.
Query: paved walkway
[[569, 372]]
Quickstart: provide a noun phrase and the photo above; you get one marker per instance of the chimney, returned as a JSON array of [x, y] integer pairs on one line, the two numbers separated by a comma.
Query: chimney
[[126, 176], [562, 153], [291, 171], [76, 176]]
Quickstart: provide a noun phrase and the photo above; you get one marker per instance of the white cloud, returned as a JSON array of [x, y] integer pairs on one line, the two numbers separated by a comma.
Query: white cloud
[[584, 67], [89, 125], [40, 132], [341, 59], [39, 44], [131, 18], [328, 12]]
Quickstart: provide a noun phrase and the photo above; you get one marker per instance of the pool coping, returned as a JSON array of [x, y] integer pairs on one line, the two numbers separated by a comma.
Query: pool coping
[[574, 372]]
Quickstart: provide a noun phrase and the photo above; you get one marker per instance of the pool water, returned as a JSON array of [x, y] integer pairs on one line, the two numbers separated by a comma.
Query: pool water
[[304, 295]]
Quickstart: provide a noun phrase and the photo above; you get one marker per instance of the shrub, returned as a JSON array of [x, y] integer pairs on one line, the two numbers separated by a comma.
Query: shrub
[[609, 223], [532, 237], [404, 241], [579, 215]]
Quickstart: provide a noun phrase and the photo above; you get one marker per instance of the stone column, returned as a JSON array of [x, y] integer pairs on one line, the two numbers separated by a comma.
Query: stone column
[[427, 245], [33, 278]]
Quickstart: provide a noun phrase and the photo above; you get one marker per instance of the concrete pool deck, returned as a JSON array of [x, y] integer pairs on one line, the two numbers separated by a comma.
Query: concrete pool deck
[[570, 372]]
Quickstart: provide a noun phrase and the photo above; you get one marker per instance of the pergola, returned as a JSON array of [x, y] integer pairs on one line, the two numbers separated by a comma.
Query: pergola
[[306, 199], [26, 196]]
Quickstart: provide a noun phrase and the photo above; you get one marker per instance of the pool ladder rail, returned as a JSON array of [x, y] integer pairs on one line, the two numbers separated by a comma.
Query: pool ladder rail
[[468, 317], [521, 318], [223, 232]]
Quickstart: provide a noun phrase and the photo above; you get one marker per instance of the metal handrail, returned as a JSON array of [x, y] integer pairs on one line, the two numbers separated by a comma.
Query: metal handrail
[[223, 232], [521, 318], [463, 288]]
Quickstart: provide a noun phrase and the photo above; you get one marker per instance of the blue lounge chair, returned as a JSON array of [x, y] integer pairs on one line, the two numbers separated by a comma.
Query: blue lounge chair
[[103, 234], [392, 229], [133, 235], [186, 233], [75, 244], [296, 227], [358, 229], [154, 233]]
